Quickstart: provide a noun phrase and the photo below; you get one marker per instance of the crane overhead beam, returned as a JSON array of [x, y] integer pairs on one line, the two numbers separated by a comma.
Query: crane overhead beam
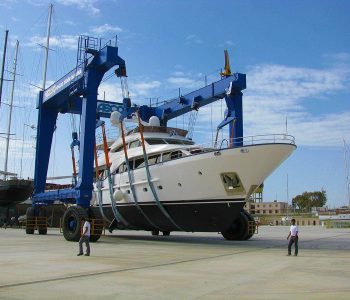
[[230, 85]]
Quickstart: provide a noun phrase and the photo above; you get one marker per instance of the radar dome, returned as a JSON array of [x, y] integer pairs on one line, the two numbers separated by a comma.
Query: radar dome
[[154, 121], [115, 118]]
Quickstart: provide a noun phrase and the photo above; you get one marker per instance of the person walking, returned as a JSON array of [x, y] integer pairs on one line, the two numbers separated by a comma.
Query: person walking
[[85, 237], [293, 238]]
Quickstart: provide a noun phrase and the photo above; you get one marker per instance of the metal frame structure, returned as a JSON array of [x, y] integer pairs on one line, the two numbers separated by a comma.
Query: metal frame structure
[[76, 93]]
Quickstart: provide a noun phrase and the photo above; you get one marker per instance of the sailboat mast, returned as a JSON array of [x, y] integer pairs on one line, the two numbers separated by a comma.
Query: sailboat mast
[[3, 63], [11, 105], [47, 46]]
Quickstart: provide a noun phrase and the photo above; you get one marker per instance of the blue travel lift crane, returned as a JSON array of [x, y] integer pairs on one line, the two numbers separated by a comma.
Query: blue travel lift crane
[[77, 93]]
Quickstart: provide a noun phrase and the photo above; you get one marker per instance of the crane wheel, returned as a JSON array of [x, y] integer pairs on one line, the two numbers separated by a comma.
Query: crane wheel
[[72, 224], [42, 226], [30, 220], [238, 230], [166, 233], [155, 232], [97, 225], [251, 226]]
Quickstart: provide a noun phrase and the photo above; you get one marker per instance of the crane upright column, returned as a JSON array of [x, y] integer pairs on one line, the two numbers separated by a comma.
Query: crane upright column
[[76, 92]]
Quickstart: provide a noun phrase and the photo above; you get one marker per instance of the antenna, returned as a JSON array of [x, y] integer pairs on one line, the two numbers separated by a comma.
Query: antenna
[[346, 161]]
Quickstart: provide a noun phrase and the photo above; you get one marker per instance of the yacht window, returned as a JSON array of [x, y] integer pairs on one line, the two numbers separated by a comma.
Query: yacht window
[[166, 156], [153, 159], [174, 142], [175, 154], [155, 141], [139, 163], [117, 149], [171, 155], [134, 144], [196, 151], [122, 168]]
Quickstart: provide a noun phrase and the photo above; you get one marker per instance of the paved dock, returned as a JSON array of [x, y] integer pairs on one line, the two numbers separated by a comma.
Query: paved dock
[[136, 265]]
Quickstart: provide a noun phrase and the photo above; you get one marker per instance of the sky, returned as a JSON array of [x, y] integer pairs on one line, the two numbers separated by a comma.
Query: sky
[[296, 55]]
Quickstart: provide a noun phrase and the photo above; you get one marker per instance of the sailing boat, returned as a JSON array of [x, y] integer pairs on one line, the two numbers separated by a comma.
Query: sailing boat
[[13, 190]]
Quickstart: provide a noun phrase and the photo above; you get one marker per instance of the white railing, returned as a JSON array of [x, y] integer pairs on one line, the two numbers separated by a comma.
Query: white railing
[[265, 139], [247, 141]]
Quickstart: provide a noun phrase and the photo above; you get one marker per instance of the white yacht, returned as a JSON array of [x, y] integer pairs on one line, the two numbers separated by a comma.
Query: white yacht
[[185, 186]]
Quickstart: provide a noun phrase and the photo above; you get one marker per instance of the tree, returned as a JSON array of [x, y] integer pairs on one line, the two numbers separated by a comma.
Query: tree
[[307, 200]]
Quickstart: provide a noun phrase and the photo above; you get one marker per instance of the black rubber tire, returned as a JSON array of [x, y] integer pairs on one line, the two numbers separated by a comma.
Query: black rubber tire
[[155, 232], [96, 226], [42, 228], [29, 214], [251, 219], [71, 224], [166, 233], [238, 230]]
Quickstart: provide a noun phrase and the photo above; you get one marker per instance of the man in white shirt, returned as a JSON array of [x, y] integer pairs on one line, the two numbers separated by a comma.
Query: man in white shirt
[[293, 238], [85, 237]]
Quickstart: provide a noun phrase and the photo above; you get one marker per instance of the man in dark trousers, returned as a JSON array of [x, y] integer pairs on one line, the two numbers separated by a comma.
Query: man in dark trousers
[[85, 237], [293, 238]]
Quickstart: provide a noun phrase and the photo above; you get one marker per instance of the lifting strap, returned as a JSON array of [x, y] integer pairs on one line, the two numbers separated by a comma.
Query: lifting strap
[[232, 133], [131, 180], [149, 179], [117, 215], [99, 187], [74, 167]]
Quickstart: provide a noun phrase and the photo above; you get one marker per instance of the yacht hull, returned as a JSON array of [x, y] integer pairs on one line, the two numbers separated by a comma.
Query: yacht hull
[[192, 216], [193, 189], [13, 191]]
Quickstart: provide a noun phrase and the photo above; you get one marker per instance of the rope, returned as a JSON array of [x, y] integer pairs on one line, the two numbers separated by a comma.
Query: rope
[[74, 167], [150, 183], [131, 180], [99, 187], [117, 215]]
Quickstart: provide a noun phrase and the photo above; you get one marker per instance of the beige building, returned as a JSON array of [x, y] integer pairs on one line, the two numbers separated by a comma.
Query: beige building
[[266, 208]]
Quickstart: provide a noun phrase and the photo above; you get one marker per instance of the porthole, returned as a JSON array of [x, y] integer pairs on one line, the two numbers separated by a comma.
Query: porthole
[[179, 184], [145, 189], [200, 173], [160, 187], [128, 191]]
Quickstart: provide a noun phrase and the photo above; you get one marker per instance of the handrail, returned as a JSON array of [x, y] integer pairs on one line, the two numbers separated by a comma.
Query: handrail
[[250, 141], [273, 138]]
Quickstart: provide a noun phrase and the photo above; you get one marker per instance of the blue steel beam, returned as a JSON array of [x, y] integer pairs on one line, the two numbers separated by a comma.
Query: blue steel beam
[[203, 96], [45, 129], [57, 99], [229, 88]]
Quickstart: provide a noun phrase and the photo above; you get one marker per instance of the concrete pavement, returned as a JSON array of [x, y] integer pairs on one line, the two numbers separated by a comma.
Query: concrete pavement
[[136, 265]]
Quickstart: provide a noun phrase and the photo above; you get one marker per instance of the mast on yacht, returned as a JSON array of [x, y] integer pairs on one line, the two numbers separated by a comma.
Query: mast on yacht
[[47, 46], [11, 106], [3, 64]]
